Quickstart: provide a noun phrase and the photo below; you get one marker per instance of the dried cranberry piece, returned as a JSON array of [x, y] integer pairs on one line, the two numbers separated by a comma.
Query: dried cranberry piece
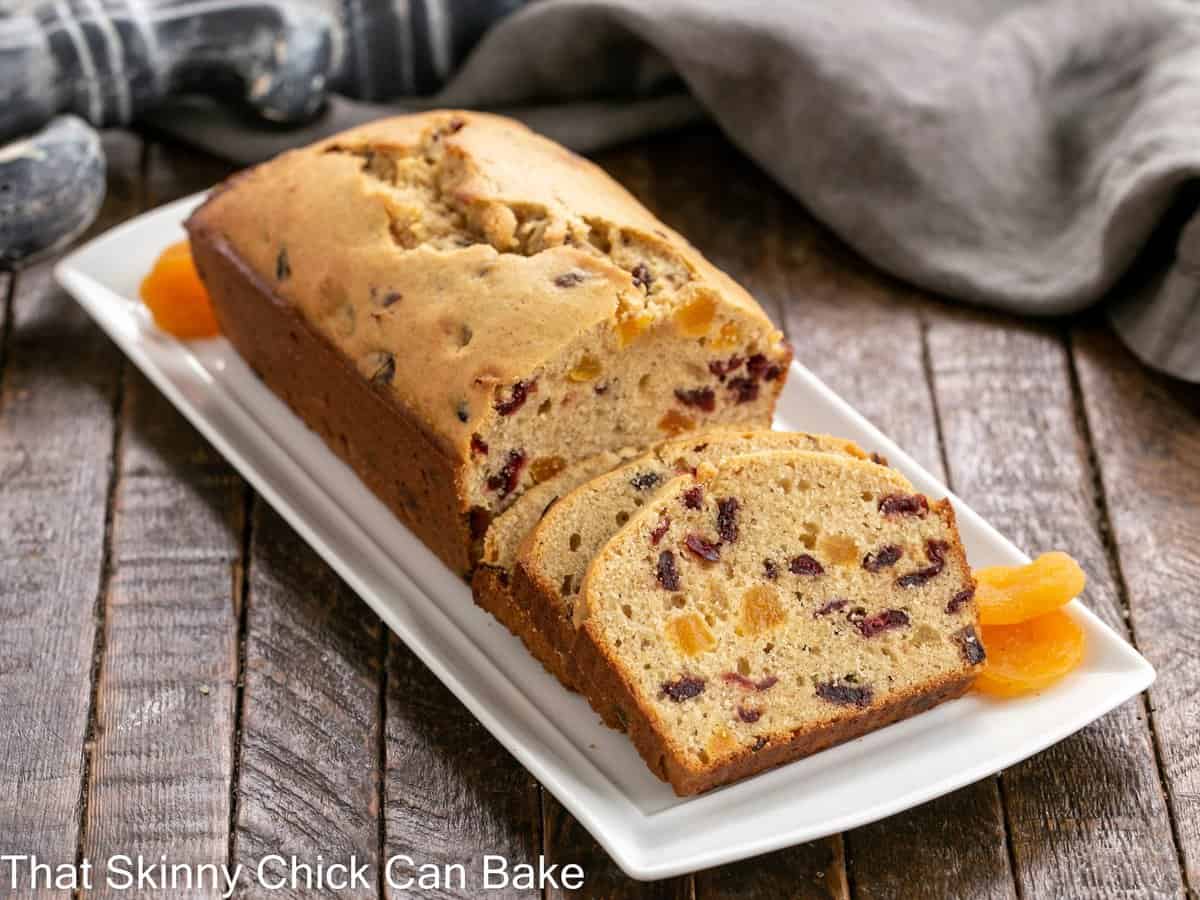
[[693, 497], [665, 571], [701, 398], [831, 606], [773, 373], [885, 556], [879, 459], [568, 279], [936, 552], [685, 687], [969, 645], [745, 390], [505, 481], [702, 547], [478, 445], [644, 480], [737, 678], [961, 599], [763, 684], [727, 527], [749, 714], [771, 569], [805, 565], [845, 694], [881, 622], [601, 388], [516, 399], [700, 448], [455, 126], [641, 276], [721, 368], [660, 530], [904, 505], [756, 365]]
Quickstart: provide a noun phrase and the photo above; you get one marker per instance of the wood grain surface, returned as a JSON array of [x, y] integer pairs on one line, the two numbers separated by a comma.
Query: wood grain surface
[[59, 390], [163, 754], [167, 667], [308, 745], [181, 673], [452, 793], [1146, 442]]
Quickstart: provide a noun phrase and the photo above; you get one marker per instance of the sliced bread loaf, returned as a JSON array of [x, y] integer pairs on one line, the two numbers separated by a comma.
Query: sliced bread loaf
[[555, 554], [491, 584], [771, 606]]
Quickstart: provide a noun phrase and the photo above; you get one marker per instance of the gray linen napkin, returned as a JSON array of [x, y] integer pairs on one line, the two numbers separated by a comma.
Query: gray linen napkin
[[1015, 155]]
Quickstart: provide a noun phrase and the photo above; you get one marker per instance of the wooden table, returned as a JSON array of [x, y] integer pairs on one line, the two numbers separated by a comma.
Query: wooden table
[[180, 673]]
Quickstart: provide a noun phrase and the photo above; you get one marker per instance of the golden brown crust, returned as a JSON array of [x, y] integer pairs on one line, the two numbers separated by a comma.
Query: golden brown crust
[[492, 591], [558, 629], [386, 446]]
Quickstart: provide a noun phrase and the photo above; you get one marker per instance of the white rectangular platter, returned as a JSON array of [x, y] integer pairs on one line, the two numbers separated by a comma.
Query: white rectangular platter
[[593, 771]]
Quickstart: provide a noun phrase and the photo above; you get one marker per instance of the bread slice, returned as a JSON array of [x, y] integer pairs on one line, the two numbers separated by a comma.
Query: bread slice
[[491, 584], [462, 308], [771, 606], [554, 556]]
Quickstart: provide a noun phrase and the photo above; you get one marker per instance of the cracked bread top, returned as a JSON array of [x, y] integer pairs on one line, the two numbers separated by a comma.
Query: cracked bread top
[[483, 276]]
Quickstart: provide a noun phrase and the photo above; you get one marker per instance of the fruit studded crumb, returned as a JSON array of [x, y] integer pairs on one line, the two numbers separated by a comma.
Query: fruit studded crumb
[[788, 590]]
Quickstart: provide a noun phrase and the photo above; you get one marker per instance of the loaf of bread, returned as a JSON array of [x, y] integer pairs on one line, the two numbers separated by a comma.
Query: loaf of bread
[[771, 606], [549, 567], [462, 309]]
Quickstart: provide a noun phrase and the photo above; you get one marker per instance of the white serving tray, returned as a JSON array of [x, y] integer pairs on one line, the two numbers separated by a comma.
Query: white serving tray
[[593, 771]]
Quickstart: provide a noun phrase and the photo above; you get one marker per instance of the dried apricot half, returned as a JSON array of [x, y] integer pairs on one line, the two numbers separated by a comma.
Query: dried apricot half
[[1029, 656], [1007, 595], [176, 296]]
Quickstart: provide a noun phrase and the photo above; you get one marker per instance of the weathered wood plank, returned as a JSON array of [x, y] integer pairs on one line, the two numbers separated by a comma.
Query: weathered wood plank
[[163, 758], [812, 871], [307, 777], [1087, 818], [59, 389], [452, 793], [1145, 431]]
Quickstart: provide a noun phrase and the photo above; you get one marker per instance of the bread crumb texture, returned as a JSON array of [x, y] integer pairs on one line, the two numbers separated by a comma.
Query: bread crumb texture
[[788, 591]]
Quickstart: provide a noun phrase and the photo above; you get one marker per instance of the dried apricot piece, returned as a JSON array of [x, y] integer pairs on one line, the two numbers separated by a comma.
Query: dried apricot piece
[[695, 318], [1029, 656], [1007, 595], [674, 422], [176, 297], [587, 369], [690, 634], [761, 611]]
